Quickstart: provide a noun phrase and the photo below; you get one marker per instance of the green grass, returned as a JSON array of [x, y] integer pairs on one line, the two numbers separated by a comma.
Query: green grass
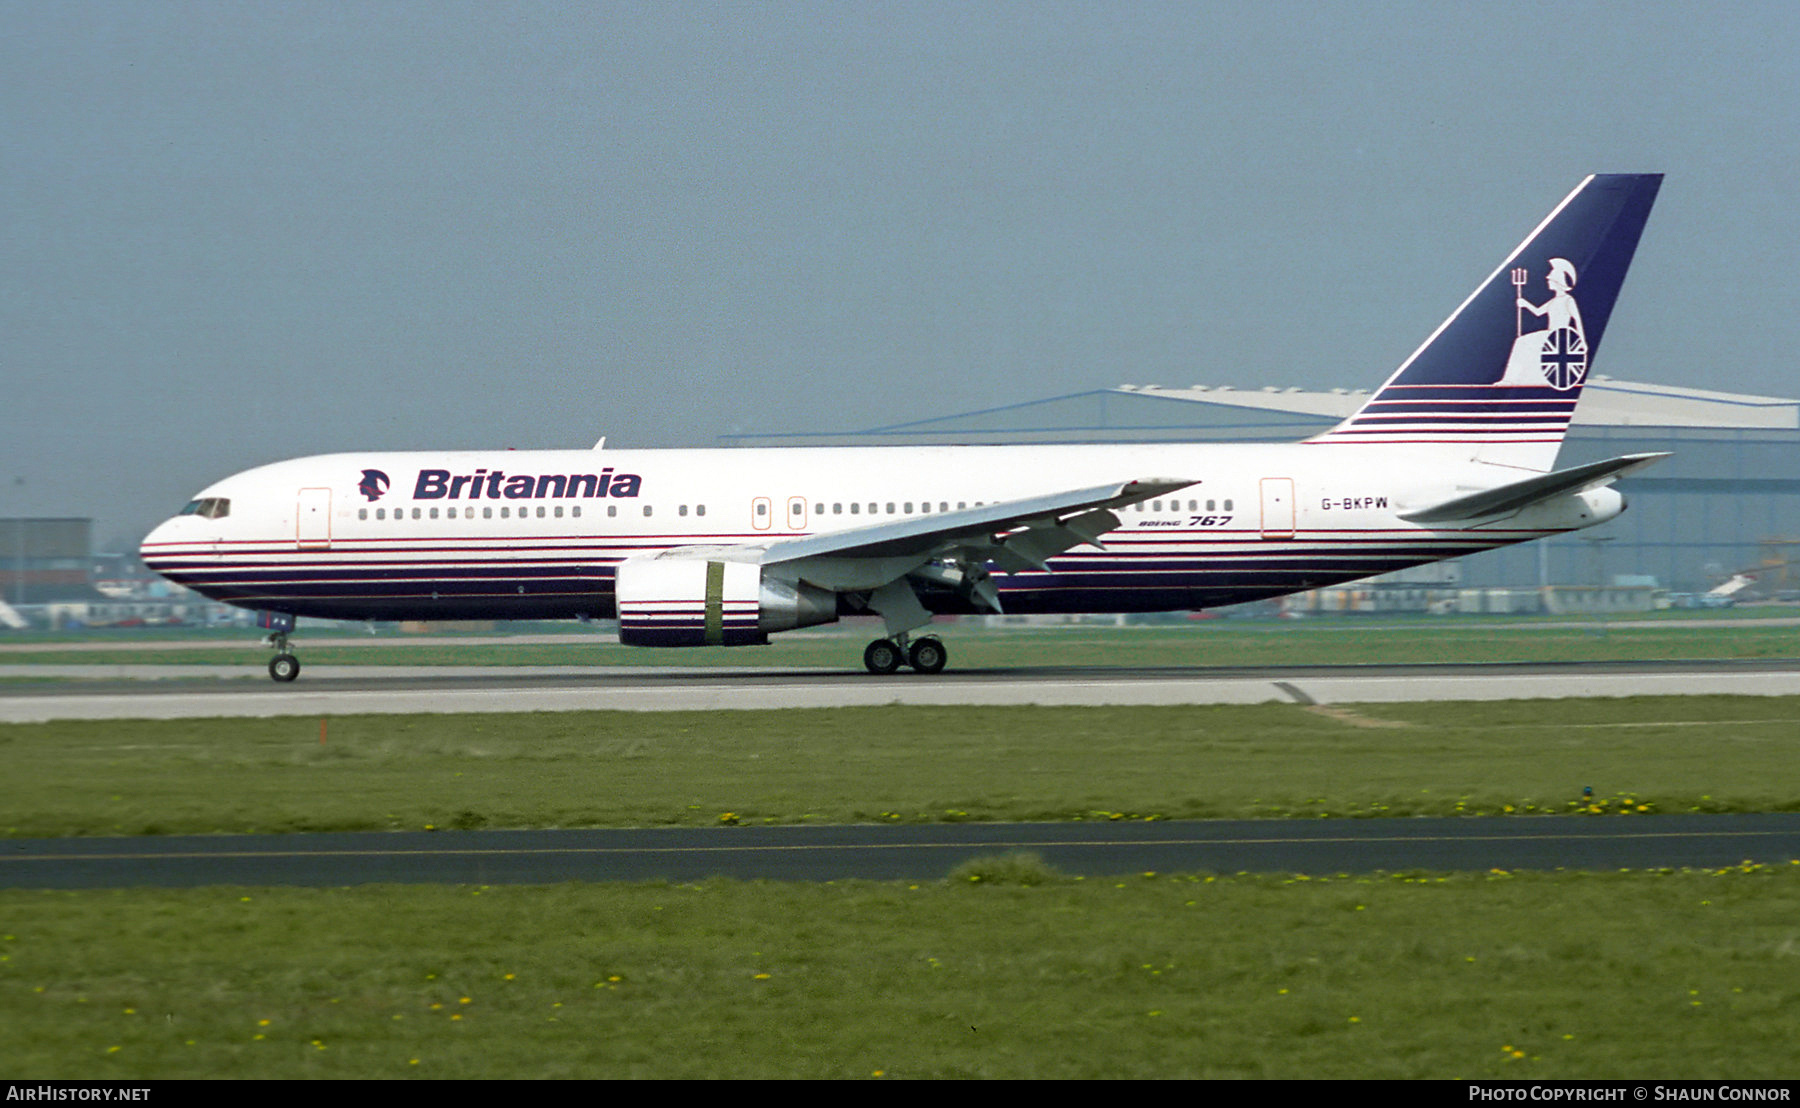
[[1008, 969], [1204, 643], [896, 764], [1527, 976]]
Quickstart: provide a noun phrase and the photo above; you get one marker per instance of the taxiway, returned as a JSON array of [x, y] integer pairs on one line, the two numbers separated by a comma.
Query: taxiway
[[39, 693]]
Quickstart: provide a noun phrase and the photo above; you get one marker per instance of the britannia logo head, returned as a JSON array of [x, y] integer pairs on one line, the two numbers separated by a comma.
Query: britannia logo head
[[374, 483]]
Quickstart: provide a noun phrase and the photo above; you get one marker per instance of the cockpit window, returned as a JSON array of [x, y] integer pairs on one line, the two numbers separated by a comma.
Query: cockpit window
[[212, 507]]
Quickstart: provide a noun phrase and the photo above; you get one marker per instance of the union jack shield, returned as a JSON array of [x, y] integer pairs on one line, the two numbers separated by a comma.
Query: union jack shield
[[1565, 358]]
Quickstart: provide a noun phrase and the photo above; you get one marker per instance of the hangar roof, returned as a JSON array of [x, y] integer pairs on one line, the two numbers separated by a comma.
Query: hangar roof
[[1605, 402], [1271, 414]]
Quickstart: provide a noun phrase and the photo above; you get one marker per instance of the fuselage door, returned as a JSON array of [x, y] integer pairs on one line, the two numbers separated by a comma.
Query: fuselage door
[[312, 519], [762, 513], [796, 513], [1277, 507]]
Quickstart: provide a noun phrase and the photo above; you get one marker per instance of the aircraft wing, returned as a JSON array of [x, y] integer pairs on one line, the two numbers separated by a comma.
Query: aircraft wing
[[877, 565], [1519, 494]]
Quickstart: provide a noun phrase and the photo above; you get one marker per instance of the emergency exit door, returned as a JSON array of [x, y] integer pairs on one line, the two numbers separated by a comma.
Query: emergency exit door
[[312, 519], [1277, 507]]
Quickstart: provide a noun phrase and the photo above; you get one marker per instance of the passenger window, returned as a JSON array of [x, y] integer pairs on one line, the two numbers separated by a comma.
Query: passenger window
[[856, 509], [699, 509], [505, 511], [487, 512], [434, 513], [762, 508], [909, 507], [646, 510], [381, 513], [612, 509], [1228, 505], [415, 513], [681, 511], [559, 511], [575, 511]]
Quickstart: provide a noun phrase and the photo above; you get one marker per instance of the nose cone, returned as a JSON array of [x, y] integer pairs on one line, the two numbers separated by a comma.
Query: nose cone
[[154, 550]]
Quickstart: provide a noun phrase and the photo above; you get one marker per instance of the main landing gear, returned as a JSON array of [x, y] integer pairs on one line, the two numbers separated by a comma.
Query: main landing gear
[[926, 655]]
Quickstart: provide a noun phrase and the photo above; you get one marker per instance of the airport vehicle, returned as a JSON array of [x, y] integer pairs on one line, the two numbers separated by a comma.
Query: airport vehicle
[[724, 547]]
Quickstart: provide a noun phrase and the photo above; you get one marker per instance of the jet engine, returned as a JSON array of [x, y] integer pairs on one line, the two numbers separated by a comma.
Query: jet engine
[[690, 600]]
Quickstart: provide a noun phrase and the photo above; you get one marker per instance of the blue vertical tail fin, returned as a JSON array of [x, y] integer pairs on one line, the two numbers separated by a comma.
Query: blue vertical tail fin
[[1502, 375]]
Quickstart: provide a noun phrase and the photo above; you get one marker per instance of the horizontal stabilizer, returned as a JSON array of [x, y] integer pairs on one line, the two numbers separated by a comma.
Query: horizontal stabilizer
[[1520, 494]]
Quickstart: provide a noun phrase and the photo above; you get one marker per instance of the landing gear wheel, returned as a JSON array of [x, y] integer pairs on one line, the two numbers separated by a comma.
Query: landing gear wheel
[[284, 667], [882, 657], [928, 656]]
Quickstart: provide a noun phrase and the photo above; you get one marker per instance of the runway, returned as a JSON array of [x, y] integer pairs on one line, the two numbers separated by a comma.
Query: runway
[[920, 852], [41, 693]]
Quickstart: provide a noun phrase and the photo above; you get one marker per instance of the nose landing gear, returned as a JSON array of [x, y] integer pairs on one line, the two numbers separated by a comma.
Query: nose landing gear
[[283, 666]]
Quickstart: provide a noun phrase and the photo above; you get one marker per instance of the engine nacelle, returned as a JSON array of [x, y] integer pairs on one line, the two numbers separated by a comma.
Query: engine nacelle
[[694, 601]]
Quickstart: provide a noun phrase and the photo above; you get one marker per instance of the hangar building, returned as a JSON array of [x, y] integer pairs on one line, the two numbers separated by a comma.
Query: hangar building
[[1729, 499]]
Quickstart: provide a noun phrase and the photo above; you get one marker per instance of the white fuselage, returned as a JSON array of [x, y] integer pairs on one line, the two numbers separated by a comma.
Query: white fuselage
[[538, 534]]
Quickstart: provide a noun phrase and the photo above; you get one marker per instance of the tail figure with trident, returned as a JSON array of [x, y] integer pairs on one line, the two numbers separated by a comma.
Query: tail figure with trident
[[1557, 355]]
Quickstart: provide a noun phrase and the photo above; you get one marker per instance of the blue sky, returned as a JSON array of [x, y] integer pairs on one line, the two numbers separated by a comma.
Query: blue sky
[[237, 232]]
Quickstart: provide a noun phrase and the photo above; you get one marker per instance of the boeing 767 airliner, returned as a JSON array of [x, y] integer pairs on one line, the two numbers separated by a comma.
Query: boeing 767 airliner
[[1455, 454]]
